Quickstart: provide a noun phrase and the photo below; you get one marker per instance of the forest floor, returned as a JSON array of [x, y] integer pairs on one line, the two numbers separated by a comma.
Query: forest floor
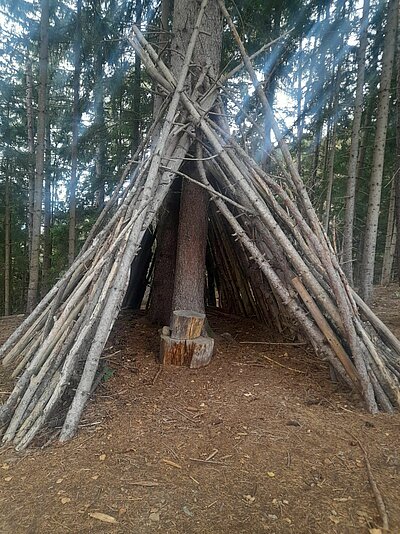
[[259, 441]]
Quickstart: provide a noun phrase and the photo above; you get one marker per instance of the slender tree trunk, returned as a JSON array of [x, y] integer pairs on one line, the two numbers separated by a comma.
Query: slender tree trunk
[[397, 165], [390, 241], [331, 161], [192, 232], [316, 156], [165, 260], [47, 217], [7, 244], [76, 117], [137, 87], [371, 226], [354, 149], [164, 40], [99, 113], [31, 147], [167, 229], [39, 172], [300, 118], [270, 84]]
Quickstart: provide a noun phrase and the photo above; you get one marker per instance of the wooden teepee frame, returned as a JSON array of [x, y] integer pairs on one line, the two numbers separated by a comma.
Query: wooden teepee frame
[[272, 222]]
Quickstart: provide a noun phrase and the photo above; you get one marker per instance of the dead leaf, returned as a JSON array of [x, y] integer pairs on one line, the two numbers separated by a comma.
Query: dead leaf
[[95, 477], [5, 466], [172, 464], [334, 519], [7, 479], [65, 500], [103, 517], [249, 498], [375, 531], [59, 480], [102, 457]]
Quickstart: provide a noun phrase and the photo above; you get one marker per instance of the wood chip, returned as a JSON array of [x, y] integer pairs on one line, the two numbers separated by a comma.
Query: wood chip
[[105, 518], [172, 464]]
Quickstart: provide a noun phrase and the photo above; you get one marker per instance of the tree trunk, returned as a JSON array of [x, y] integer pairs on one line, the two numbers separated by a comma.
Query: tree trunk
[[47, 217], [136, 87], [39, 172], [164, 39], [191, 250], [300, 118], [371, 226], [138, 277], [390, 241], [31, 147], [167, 230], [312, 185], [7, 244], [397, 163], [76, 116], [99, 122], [192, 232], [165, 260], [347, 262], [331, 160]]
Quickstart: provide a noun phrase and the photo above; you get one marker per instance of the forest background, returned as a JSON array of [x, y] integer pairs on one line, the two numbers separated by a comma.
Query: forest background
[[75, 103]]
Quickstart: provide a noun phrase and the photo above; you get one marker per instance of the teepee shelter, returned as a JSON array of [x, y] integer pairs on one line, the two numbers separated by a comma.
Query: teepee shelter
[[277, 259]]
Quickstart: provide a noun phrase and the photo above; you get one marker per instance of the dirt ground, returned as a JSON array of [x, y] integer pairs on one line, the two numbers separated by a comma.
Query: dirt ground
[[259, 441]]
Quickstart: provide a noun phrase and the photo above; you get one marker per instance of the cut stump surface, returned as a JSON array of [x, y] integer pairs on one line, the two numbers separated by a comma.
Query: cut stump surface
[[187, 324]]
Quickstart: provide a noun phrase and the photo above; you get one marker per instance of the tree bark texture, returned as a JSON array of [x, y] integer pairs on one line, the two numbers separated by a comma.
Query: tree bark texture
[[397, 164], [76, 116], [300, 119], [167, 229], [192, 232], [371, 225], [7, 245], [100, 154], [40, 155], [191, 249], [31, 147], [347, 261], [137, 86], [332, 151], [390, 241], [165, 258], [47, 245]]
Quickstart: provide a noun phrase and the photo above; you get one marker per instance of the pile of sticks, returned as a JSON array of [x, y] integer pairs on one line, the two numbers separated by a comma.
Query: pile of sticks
[[271, 220]]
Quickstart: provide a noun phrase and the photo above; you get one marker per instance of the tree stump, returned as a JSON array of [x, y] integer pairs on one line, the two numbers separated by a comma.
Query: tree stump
[[186, 346], [187, 324]]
